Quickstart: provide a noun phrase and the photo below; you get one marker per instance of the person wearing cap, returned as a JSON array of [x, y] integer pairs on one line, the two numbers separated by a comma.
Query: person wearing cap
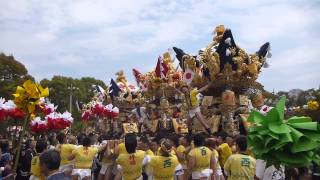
[[165, 166], [130, 164], [201, 160], [194, 105]]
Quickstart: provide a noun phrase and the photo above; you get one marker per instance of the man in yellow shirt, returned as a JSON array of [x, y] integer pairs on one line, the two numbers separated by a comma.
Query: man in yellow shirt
[[223, 148], [144, 145], [35, 162], [65, 149], [83, 157], [201, 160], [130, 165], [165, 165], [107, 161], [183, 150], [193, 105], [211, 144], [120, 147], [240, 166]]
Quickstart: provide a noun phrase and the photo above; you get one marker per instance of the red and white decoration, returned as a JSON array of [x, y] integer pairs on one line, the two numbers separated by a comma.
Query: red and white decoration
[[161, 69], [98, 110], [131, 87], [9, 110], [188, 76], [52, 121]]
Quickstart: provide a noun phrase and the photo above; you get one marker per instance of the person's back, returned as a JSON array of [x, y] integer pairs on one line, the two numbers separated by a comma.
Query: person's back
[[164, 168], [225, 152], [240, 166], [131, 164], [165, 165], [84, 157], [65, 151], [122, 148], [202, 157]]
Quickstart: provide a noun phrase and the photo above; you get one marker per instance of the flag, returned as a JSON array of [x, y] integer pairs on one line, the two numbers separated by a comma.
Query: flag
[[100, 89], [114, 89], [100, 92], [161, 69], [136, 74], [188, 76]]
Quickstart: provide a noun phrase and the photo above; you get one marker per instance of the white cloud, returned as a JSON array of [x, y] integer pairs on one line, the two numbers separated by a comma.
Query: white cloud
[[98, 38]]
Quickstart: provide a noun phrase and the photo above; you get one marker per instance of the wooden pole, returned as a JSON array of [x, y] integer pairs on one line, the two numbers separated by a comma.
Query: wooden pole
[[19, 145]]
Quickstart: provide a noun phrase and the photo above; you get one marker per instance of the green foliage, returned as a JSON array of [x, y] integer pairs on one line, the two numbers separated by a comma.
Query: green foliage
[[12, 74], [293, 142]]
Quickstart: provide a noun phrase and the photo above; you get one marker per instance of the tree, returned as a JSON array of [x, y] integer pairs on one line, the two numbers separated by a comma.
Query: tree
[[12, 74]]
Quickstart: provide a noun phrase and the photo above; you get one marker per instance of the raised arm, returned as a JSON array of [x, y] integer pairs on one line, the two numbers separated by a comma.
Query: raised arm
[[204, 88], [213, 166], [191, 164]]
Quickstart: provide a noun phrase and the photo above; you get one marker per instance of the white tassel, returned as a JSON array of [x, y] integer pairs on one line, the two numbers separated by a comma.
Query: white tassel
[[228, 52], [269, 54], [266, 64], [228, 41]]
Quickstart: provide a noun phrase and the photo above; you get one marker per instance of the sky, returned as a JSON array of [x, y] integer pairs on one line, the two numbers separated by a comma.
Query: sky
[[98, 38]]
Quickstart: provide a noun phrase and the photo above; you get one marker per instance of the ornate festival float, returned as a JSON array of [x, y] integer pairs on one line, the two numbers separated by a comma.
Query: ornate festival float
[[157, 103]]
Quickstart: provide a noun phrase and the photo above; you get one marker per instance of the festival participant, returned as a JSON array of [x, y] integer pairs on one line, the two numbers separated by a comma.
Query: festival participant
[[240, 166], [263, 172], [144, 145], [53, 141], [49, 163], [223, 148], [193, 105], [211, 144], [165, 166], [107, 160], [154, 145], [65, 150], [5, 160], [201, 161], [130, 164], [173, 150], [120, 147], [183, 150], [83, 157], [72, 140], [24, 166], [35, 163]]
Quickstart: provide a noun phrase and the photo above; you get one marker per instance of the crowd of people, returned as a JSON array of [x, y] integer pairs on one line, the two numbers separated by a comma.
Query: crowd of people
[[131, 157]]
